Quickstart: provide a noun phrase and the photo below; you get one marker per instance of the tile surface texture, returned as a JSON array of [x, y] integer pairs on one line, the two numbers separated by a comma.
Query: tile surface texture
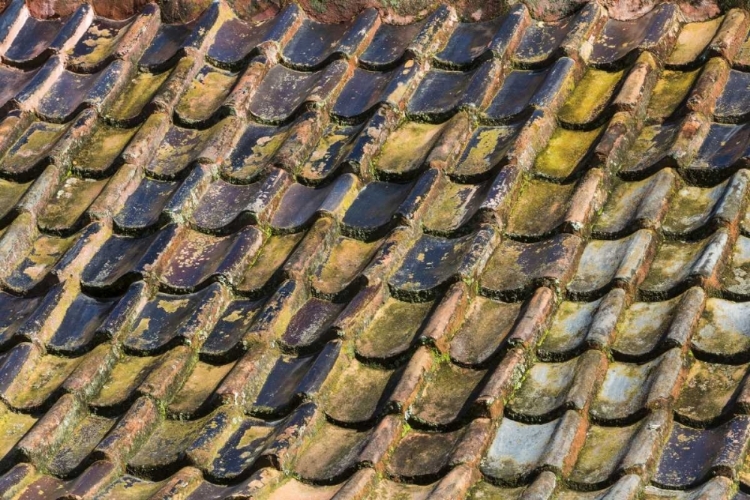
[[281, 258]]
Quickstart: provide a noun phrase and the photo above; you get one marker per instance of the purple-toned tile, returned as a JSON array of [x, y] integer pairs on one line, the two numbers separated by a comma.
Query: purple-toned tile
[[254, 151], [166, 45], [731, 105], [29, 152], [390, 42], [310, 325], [488, 323], [541, 40], [235, 40], [516, 93], [468, 42], [143, 208], [77, 330], [30, 45]]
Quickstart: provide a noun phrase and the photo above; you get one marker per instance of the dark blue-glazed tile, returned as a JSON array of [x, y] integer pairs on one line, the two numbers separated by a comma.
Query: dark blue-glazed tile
[[732, 105], [516, 93], [12, 80], [515, 267], [122, 259], [179, 148], [691, 455], [14, 311], [389, 44], [31, 43], [98, 43], [289, 379], [168, 319], [144, 206], [231, 328], [468, 41], [235, 40], [486, 149], [30, 150], [542, 40], [242, 449], [310, 324], [439, 93], [35, 269], [334, 146], [724, 149], [651, 150], [284, 90], [618, 38], [313, 43], [79, 325], [376, 205], [166, 44], [224, 204], [66, 95], [433, 262], [254, 151], [300, 203], [198, 257], [366, 88]]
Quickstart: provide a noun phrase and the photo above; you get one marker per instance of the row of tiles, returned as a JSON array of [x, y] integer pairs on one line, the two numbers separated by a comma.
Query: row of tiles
[[91, 42], [268, 484], [280, 90], [226, 444]]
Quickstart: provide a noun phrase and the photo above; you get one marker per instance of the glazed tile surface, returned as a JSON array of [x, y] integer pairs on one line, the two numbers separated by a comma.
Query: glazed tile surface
[[447, 259]]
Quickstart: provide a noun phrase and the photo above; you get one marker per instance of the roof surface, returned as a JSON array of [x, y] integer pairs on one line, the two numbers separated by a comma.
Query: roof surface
[[506, 259]]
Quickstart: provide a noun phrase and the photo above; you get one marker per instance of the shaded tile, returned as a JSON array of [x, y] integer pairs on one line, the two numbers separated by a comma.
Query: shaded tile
[[366, 89], [300, 203], [143, 208], [235, 40], [313, 43], [69, 93], [253, 151], [166, 44], [651, 150], [12, 81], [433, 263], [722, 149], [79, 325], [541, 40], [310, 325], [14, 312], [735, 278], [519, 87], [439, 93], [283, 90], [80, 441]]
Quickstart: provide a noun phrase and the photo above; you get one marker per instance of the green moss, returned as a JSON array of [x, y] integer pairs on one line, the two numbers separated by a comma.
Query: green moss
[[407, 147], [564, 152], [670, 90], [131, 101], [590, 96]]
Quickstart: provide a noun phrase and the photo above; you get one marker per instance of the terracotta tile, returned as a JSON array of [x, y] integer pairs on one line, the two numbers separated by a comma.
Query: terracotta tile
[[447, 395]]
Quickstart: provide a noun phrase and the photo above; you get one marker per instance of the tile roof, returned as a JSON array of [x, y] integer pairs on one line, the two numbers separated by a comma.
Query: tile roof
[[284, 259]]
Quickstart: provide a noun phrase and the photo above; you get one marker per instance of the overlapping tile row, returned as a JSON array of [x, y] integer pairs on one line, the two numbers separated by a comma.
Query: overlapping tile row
[[440, 260]]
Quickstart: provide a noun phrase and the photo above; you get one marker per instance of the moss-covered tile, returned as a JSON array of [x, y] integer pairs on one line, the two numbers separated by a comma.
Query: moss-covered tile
[[591, 96], [670, 91], [565, 152], [131, 101], [393, 329], [205, 94]]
